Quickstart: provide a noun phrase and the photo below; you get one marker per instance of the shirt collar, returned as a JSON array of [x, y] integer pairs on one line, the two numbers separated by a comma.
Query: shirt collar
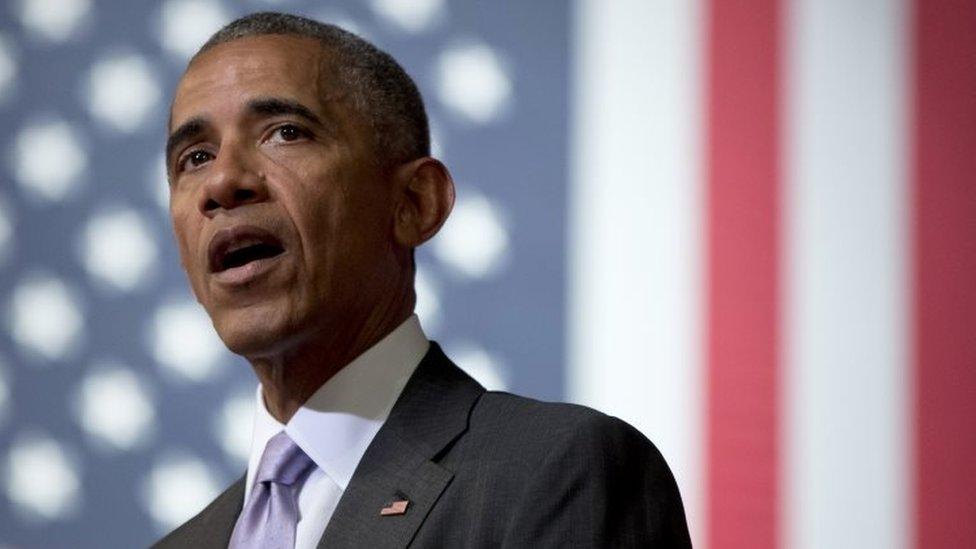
[[337, 423]]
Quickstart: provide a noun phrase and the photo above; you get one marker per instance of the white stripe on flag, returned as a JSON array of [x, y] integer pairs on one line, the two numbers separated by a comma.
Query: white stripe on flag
[[635, 219], [846, 427]]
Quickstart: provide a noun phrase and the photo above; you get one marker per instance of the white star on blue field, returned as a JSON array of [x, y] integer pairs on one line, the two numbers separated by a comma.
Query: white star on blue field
[[121, 413]]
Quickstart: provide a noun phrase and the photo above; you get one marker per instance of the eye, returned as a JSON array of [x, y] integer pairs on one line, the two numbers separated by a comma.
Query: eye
[[287, 133], [193, 159]]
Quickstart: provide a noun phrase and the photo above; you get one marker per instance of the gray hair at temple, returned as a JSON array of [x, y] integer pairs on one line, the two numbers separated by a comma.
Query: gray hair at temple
[[381, 90]]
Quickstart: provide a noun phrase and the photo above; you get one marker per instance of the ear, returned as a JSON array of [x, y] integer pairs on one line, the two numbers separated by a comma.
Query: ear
[[425, 197]]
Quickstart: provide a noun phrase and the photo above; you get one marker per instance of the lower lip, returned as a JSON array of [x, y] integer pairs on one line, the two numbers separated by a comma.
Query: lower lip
[[247, 273]]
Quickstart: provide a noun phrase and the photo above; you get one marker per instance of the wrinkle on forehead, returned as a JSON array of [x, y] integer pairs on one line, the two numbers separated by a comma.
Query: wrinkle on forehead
[[244, 66]]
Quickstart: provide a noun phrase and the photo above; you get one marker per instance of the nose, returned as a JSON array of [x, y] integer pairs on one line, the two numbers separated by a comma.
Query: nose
[[234, 181]]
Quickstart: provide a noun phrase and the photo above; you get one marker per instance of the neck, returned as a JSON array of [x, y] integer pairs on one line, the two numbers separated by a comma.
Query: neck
[[290, 377]]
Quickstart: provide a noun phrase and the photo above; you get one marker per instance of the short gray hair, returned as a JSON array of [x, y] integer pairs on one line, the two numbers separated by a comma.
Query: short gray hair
[[381, 90]]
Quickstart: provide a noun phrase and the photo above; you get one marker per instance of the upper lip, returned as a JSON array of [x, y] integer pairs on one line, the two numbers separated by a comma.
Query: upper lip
[[239, 237]]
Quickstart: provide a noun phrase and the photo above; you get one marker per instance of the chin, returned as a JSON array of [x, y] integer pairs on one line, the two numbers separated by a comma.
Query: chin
[[250, 335], [247, 344]]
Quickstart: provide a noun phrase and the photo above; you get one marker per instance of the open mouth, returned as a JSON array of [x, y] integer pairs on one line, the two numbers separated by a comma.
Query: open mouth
[[239, 246], [247, 254]]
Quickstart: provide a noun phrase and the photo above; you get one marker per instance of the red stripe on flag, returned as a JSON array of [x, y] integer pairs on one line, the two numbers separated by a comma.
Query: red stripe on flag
[[945, 272], [743, 281]]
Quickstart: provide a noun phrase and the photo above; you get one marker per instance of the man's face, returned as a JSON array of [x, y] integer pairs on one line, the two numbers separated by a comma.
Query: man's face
[[283, 220]]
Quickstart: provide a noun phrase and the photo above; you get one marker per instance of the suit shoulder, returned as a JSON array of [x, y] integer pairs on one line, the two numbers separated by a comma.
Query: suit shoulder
[[551, 425], [569, 472], [548, 415]]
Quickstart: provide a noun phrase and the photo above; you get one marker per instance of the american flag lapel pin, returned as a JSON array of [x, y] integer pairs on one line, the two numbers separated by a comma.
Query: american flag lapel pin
[[398, 507]]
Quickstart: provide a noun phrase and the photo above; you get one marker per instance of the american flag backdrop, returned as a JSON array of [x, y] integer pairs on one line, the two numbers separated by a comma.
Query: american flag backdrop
[[748, 227], [773, 260], [122, 413]]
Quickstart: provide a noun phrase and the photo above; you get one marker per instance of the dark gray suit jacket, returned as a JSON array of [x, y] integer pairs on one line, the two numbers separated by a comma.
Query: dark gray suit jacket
[[488, 469]]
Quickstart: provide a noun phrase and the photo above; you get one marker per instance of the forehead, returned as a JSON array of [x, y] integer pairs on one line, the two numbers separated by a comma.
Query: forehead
[[228, 74]]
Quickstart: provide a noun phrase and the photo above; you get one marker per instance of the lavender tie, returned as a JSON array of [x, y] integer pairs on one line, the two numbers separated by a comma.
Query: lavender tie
[[270, 515]]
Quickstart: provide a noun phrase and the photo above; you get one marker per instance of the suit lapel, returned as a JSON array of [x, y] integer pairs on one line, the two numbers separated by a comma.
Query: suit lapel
[[431, 412], [212, 527]]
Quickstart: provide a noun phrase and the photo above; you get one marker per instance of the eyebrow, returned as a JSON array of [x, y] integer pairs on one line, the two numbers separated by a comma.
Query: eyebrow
[[187, 130], [273, 106], [267, 106]]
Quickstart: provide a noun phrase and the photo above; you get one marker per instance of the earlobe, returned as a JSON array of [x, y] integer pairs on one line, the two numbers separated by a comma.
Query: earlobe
[[426, 197]]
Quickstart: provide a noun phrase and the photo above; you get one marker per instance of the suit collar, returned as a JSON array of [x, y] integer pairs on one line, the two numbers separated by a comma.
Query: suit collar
[[434, 406], [212, 527], [400, 464]]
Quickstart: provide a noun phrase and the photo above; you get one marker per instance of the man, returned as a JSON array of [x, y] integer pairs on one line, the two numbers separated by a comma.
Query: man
[[301, 182]]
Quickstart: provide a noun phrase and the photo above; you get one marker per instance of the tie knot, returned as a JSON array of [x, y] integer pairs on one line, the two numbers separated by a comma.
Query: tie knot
[[283, 461]]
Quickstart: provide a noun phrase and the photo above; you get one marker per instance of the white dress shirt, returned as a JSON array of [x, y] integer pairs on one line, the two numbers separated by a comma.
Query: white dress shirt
[[337, 423]]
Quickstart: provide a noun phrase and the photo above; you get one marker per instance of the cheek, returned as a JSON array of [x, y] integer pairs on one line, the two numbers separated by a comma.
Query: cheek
[[320, 235], [185, 235], [309, 197]]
